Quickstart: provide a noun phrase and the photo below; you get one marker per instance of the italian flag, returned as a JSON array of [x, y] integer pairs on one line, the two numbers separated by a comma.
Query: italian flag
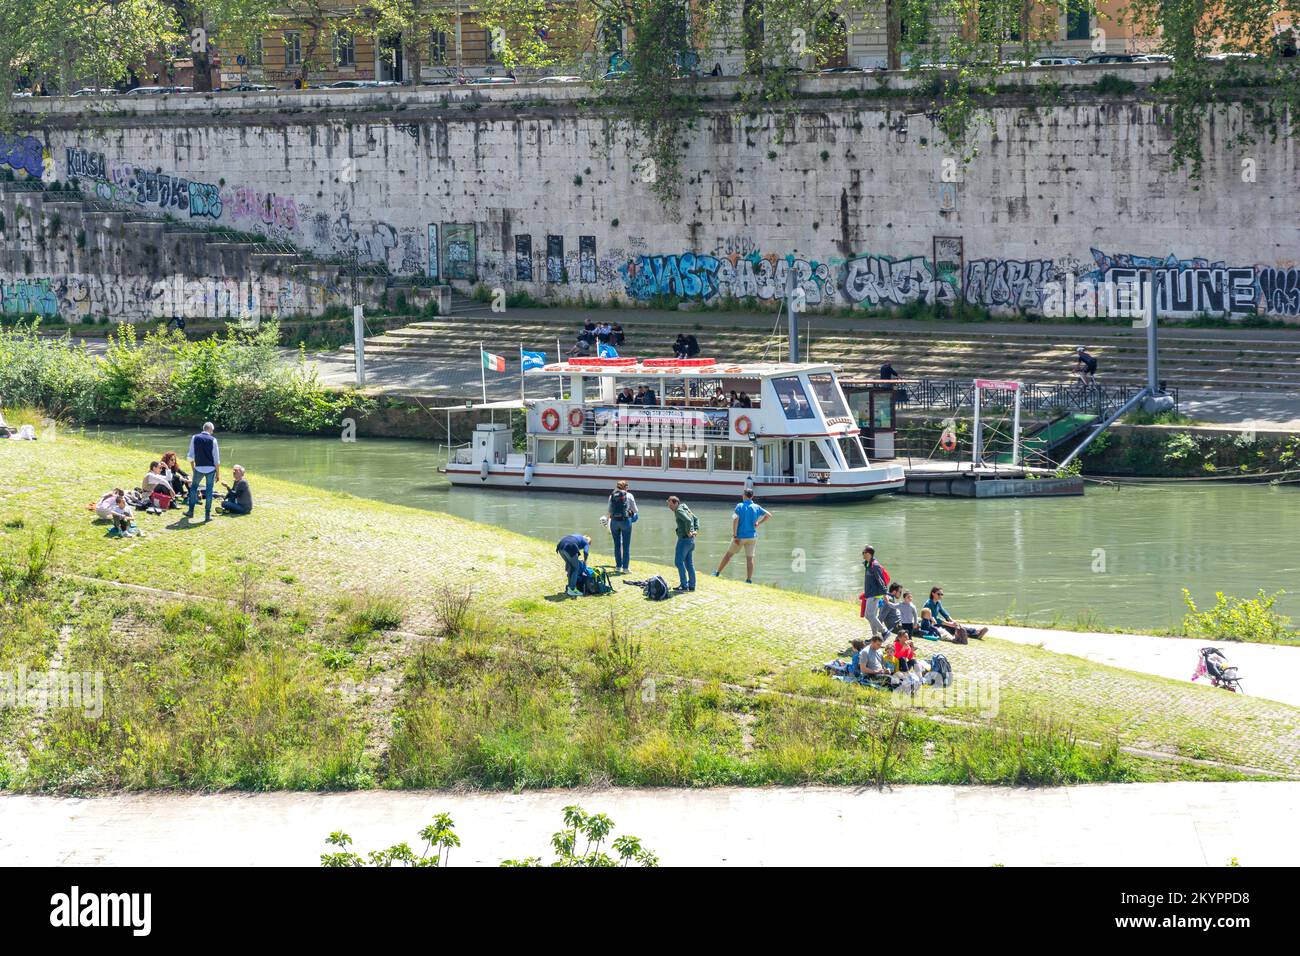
[[493, 363]]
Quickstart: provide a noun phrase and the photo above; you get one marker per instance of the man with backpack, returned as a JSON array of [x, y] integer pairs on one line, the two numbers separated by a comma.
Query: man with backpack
[[620, 514], [875, 585], [574, 549], [688, 526]]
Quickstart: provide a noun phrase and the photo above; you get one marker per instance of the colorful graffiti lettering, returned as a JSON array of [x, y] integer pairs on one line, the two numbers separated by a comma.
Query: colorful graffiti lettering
[[693, 275], [1183, 286], [880, 280], [28, 297], [278, 212], [84, 164], [22, 153], [1279, 290]]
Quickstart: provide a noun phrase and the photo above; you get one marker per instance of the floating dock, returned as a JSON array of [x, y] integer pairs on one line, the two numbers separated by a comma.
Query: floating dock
[[951, 479]]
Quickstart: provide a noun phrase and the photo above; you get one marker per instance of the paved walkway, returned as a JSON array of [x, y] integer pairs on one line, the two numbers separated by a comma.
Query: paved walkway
[[1169, 824], [1271, 671]]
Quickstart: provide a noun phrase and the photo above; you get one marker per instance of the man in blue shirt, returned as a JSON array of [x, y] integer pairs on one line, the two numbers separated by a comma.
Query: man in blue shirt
[[574, 549], [744, 533], [205, 464]]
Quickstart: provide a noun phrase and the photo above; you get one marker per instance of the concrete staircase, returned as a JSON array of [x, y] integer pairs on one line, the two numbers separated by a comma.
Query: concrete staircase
[[1227, 359]]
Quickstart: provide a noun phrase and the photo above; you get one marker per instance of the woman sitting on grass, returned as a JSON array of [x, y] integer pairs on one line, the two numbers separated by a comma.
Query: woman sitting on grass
[[171, 470], [946, 621], [904, 653], [927, 629]]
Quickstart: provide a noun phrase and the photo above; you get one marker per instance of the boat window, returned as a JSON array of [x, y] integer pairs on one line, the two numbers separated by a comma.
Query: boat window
[[852, 450], [744, 458], [559, 452], [794, 400], [690, 456], [815, 457], [642, 455], [828, 395], [721, 457], [599, 453]]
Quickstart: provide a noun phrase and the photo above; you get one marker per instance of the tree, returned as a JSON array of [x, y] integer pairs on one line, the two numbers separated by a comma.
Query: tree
[[415, 21]]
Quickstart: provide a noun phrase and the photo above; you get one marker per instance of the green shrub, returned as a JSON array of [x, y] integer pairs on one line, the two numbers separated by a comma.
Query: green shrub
[[1237, 619]]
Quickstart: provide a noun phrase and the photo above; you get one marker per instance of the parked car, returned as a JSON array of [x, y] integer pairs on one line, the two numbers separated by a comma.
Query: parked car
[[95, 91], [356, 84], [559, 79], [1116, 58], [1057, 61], [831, 70], [491, 80], [249, 88]]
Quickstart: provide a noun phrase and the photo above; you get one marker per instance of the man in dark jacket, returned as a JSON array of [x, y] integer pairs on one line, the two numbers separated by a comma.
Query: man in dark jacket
[[239, 497], [873, 587], [574, 549]]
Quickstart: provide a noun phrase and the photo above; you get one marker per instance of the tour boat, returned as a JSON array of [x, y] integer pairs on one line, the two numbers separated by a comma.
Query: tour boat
[[791, 438]]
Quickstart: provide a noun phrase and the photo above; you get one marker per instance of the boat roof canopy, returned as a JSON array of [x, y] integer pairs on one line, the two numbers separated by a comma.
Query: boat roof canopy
[[513, 403], [677, 368]]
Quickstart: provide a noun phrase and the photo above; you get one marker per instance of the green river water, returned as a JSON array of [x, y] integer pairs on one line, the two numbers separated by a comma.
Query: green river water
[[1119, 557]]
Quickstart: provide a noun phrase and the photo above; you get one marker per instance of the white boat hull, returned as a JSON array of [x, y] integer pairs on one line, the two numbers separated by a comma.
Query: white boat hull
[[860, 483]]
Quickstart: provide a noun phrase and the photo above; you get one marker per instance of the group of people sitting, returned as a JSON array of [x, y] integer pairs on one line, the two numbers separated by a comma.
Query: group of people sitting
[[735, 399], [166, 484], [595, 334], [642, 395], [896, 612], [686, 347]]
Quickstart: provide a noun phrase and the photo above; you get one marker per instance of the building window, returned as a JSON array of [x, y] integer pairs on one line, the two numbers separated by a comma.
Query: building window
[[1078, 25], [293, 48], [255, 52], [489, 48], [345, 48], [438, 48]]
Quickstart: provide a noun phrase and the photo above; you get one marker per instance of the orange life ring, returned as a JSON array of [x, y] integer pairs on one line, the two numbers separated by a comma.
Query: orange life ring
[[947, 441], [732, 370], [743, 425], [576, 418], [550, 419]]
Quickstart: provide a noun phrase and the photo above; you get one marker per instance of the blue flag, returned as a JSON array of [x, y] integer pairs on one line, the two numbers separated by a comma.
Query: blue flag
[[529, 360], [606, 351]]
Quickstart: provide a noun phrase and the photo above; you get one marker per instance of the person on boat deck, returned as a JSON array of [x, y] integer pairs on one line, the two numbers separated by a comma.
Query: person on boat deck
[[744, 400], [945, 620], [620, 513], [625, 397], [574, 548], [733, 400], [650, 397], [239, 497], [873, 661], [907, 614], [744, 533]]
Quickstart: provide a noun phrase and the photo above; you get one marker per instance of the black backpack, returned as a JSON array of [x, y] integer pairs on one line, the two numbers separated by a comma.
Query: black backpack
[[618, 505], [656, 589]]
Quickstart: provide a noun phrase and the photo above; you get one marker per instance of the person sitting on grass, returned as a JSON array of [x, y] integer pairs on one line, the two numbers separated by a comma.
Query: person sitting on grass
[[849, 668], [904, 652], [946, 621], [171, 470], [123, 518], [926, 628], [239, 497], [872, 661], [157, 487]]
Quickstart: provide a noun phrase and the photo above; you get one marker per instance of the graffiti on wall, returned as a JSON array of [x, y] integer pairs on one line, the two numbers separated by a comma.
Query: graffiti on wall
[[22, 154], [701, 276], [1279, 290], [85, 164], [555, 271], [875, 280], [459, 251], [433, 272], [524, 258], [28, 297], [587, 258], [1190, 287], [262, 208], [127, 183], [1008, 283]]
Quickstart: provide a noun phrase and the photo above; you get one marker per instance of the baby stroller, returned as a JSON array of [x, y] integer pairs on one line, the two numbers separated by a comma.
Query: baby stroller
[[1215, 666]]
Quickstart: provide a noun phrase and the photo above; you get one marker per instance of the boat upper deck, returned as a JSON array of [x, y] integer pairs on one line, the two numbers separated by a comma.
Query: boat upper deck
[[678, 368]]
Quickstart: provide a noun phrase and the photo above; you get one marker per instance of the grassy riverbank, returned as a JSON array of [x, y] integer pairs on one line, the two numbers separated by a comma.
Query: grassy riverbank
[[330, 641]]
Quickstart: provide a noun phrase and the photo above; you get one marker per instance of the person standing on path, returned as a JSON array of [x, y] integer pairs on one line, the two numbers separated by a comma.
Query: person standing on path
[[574, 548], [744, 533], [620, 514], [688, 526], [874, 586], [205, 464]]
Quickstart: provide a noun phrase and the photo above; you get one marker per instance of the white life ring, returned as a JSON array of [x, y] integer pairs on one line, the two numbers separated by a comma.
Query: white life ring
[[550, 419], [576, 417], [743, 425]]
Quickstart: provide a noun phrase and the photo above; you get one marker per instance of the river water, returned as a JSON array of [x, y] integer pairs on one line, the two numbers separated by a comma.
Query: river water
[[1120, 557]]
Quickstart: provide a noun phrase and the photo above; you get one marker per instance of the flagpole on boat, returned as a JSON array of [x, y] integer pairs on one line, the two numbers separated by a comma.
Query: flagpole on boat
[[559, 375], [521, 371], [482, 370]]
